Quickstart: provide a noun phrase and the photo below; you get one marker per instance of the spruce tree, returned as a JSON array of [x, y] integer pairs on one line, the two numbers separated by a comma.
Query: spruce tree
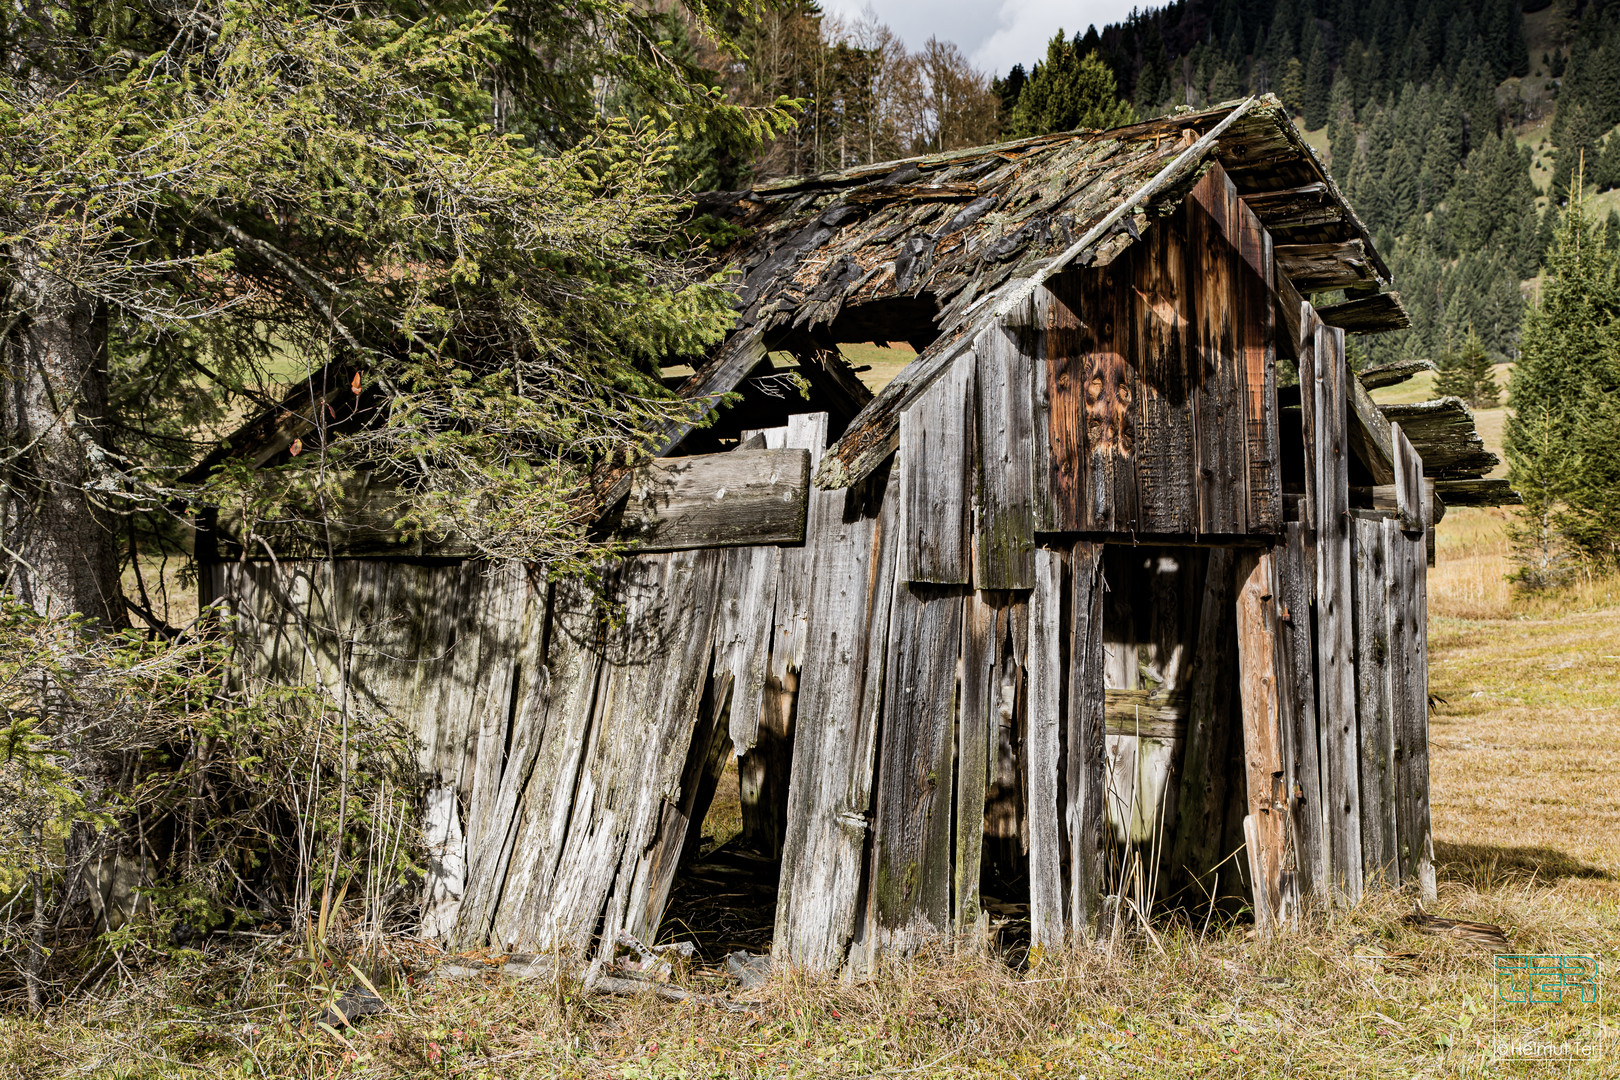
[[1067, 92], [1467, 373], [1563, 430], [1316, 91]]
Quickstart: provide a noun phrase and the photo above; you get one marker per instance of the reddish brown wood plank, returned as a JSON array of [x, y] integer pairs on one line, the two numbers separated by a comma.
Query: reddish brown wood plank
[[1163, 317], [1257, 300], [1276, 898], [1218, 395]]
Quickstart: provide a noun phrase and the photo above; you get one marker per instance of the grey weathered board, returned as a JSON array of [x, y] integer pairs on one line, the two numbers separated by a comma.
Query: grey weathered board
[[935, 469], [718, 500], [986, 699], [742, 639], [1042, 741], [1443, 432], [1335, 652], [1004, 525], [851, 558], [1085, 742], [1408, 620], [912, 851], [763, 771], [1374, 705], [1296, 578]]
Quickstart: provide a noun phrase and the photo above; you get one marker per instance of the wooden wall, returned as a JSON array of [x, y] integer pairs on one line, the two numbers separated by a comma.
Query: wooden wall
[[1010, 633]]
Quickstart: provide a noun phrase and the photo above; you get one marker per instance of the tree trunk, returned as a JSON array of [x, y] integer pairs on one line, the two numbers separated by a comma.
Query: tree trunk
[[61, 552]]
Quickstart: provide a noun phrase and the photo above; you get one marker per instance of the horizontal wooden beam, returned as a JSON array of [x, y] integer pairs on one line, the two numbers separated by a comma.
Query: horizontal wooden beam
[[718, 500], [1144, 713], [1443, 433], [1297, 207], [1318, 267], [1376, 378], [1375, 314], [1489, 492], [1369, 433]]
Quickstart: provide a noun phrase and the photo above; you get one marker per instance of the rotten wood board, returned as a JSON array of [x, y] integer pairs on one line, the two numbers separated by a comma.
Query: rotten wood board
[[1267, 825], [1374, 705], [1085, 742], [911, 876], [935, 468], [1042, 741], [851, 584], [740, 498], [1335, 651]]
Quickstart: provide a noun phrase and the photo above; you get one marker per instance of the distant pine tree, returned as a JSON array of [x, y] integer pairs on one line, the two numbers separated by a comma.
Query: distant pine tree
[[1467, 373], [1069, 91], [1563, 429]]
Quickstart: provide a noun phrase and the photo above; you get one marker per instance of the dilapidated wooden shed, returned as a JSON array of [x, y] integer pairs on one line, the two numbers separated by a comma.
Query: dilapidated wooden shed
[[1116, 592]]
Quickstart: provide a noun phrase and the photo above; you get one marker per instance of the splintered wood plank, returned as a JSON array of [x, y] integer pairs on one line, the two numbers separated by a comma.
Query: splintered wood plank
[[525, 918], [1296, 577], [1255, 274], [1218, 399], [1165, 448], [1004, 529], [1042, 739], [742, 639], [1276, 892], [762, 773], [1335, 649], [984, 633], [1305, 364], [1201, 802], [935, 470], [1409, 652], [1086, 740], [661, 665], [1413, 499], [743, 497], [851, 554], [911, 843], [1374, 704]]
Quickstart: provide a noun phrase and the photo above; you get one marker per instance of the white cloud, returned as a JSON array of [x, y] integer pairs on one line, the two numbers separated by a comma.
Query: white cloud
[[994, 35]]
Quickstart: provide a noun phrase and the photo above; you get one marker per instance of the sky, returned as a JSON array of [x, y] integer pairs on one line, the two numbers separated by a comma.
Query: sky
[[996, 34]]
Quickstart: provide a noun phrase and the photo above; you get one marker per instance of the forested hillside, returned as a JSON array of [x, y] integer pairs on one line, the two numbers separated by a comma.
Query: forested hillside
[[1448, 125]]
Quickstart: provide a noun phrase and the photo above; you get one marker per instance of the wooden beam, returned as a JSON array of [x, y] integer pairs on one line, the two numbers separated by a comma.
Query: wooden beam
[[1414, 498], [1289, 307], [1335, 653], [1443, 432], [1319, 267], [1376, 378], [1375, 314], [740, 498], [1266, 824], [1297, 207], [1369, 433], [1495, 492]]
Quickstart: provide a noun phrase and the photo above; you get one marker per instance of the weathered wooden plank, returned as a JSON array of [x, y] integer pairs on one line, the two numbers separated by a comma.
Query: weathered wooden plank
[[1443, 432], [763, 772], [1307, 326], [1296, 577], [936, 479], [976, 739], [1042, 739], [1409, 652], [1290, 307], [1375, 314], [1374, 707], [1335, 649], [1201, 801], [1268, 828], [1413, 500], [1296, 207], [1085, 741], [525, 917], [1376, 378], [1319, 267], [744, 497], [851, 579], [1218, 400], [910, 890], [1369, 434], [742, 639], [656, 678], [1004, 529], [1035, 339], [1256, 284], [1163, 316], [1476, 493]]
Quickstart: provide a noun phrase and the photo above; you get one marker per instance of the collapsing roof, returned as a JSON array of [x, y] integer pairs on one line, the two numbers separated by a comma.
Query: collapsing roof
[[923, 250]]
